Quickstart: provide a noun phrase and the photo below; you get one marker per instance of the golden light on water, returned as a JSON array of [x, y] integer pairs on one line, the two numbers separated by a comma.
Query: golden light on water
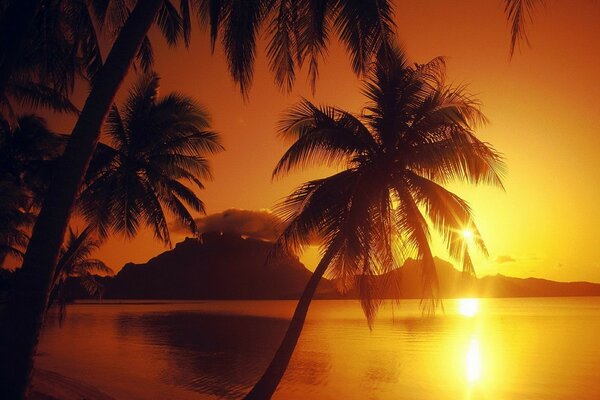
[[473, 362], [468, 307]]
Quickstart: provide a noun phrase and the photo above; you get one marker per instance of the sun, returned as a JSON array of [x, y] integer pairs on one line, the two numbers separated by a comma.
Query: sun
[[467, 234], [468, 307]]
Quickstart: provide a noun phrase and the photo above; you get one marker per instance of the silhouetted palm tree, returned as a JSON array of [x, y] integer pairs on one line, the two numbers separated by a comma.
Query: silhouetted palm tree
[[155, 146], [415, 135], [28, 152], [300, 30], [75, 262], [15, 219]]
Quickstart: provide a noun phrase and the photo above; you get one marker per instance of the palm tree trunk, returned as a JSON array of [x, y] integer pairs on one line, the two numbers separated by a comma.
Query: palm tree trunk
[[267, 384], [27, 302], [18, 20]]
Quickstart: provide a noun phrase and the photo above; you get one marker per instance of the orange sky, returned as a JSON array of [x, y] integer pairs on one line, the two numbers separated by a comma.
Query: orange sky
[[543, 106]]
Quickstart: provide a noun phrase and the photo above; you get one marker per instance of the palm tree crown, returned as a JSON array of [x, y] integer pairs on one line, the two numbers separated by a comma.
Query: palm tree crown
[[28, 154], [415, 135], [15, 219], [75, 262], [154, 145]]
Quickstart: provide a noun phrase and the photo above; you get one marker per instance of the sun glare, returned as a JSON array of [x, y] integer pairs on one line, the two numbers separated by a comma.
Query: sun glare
[[467, 234], [473, 362], [468, 307]]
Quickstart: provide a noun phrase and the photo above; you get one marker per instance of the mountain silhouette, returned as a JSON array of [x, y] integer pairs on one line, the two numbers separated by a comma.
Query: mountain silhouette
[[219, 266], [225, 266]]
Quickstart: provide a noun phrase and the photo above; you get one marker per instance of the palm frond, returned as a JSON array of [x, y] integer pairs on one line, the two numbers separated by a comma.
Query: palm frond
[[186, 21], [415, 232], [170, 22], [82, 21], [450, 215], [141, 99], [37, 95], [364, 27], [314, 36], [145, 55], [461, 157], [283, 44], [519, 13], [241, 23], [312, 209], [324, 136]]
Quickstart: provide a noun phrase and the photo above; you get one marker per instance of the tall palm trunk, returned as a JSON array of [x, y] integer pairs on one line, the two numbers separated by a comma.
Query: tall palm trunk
[[28, 300], [18, 20], [267, 384]]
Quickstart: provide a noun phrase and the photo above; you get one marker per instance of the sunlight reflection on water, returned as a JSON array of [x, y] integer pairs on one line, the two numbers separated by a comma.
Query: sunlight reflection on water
[[473, 362]]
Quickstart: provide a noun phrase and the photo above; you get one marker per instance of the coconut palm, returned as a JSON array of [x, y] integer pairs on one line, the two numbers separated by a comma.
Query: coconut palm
[[415, 135], [15, 219], [75, 262], [154, 147], [28, 152]]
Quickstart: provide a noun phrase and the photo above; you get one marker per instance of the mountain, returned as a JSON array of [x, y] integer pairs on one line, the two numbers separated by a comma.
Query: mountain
[[404, 282], [220, 266], [224, 266]]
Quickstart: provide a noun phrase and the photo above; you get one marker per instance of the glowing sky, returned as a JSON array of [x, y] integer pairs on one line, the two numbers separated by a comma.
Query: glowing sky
[[544, 108]]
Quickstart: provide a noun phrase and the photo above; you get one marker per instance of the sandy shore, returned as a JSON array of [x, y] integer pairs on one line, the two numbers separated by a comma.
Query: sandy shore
[[48, 385]]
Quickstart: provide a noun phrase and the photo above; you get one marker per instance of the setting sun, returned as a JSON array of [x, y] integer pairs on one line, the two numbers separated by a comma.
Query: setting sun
[[468, 307], [467, 234]]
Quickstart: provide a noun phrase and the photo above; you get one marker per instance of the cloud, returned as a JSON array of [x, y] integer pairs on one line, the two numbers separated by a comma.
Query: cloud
[[504, 259], [262, 224]]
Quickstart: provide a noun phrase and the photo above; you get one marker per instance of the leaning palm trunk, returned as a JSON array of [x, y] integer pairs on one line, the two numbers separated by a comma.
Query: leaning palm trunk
[[29, 298], [267, 384]]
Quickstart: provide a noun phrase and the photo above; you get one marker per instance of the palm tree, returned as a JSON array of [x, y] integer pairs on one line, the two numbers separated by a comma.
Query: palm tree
[[154, 145], [28, 152], [15, 219], [299, 30], [415, 135], [75, 262]]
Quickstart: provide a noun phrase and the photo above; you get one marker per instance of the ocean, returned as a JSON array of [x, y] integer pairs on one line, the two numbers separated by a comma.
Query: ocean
[[494, 349]]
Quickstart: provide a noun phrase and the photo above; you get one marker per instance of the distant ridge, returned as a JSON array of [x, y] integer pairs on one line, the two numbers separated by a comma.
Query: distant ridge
[[224, 266], [220, 266]]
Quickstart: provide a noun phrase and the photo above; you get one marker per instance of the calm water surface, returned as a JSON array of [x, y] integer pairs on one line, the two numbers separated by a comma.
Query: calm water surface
[[494, 349]]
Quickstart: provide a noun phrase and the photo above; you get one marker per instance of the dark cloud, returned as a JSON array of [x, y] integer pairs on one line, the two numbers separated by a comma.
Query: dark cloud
[[505, 259], [261, 224]]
